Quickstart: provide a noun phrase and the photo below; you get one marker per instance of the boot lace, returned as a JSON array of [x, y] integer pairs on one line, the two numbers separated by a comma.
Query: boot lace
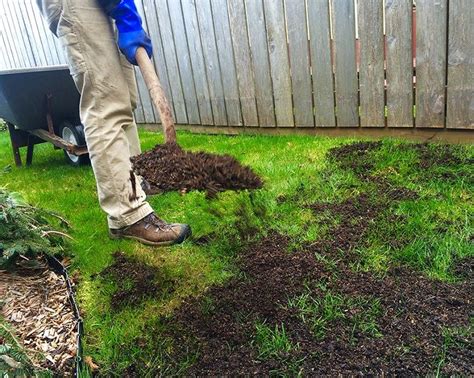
[[153, 220]]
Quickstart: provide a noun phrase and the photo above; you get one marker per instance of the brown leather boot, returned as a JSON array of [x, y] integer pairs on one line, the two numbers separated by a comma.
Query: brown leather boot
[[151, 230]]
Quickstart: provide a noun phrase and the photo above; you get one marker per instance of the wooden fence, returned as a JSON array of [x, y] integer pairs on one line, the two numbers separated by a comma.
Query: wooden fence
[[291, 63]]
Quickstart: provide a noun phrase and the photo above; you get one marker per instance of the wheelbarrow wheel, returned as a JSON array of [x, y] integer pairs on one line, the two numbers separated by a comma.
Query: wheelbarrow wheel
[[75, 135]]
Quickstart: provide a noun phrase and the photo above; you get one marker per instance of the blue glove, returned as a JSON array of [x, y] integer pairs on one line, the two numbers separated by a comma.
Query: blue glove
[[131, 35]]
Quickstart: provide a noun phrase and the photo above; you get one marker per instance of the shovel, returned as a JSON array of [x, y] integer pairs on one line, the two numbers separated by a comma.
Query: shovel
[[157, 94]]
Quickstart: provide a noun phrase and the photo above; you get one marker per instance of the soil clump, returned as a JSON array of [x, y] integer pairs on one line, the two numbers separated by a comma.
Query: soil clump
[[167, 167], [135, 281]]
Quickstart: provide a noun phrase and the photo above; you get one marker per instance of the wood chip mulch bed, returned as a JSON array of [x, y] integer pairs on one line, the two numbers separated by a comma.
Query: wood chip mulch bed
[[36, 304]]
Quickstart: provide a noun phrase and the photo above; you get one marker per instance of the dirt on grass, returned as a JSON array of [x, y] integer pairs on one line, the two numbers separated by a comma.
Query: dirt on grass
[[335, 319], [221, 325], [414, 313], [441, 155], [135, 281], [310, 311], [168, 167], [405, 336], [353, 156], [465, 268]]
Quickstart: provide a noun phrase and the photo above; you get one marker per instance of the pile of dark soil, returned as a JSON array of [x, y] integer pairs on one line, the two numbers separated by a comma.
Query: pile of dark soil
[[135, 281], [168, 167]]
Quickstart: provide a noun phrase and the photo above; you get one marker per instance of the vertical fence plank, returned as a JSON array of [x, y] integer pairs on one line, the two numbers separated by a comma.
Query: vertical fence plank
[[27, 32], [19, 37], [4, 53], [6, 57], [59, 50], [260, 62], [227, 63], [371, 71], [431, 26], [197, 61], [45, 35], [29, 16], [398, 25], [320, 43], [279, 63], [184, 62], [15, 40], [345, 63], [460, 96], [171, 61], [299, 62], [243, 62], [15, 49], [206, 28], [23, 34], [151, 22]]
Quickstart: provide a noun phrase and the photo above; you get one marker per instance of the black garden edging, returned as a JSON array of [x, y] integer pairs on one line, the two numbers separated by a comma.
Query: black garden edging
[[59, 268]]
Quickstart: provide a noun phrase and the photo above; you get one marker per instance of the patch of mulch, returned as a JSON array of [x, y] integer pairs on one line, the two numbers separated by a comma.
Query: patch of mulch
[[402, 194], [135, 281], [167, 167], [415, 310], [36, 304], [356, 214]]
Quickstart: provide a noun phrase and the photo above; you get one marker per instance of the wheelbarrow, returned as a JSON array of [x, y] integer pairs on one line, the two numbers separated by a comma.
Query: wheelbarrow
[[42, 105]]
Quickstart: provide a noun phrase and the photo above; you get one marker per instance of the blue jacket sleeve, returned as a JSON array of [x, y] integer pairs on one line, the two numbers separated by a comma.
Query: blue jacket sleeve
[[131, 35]]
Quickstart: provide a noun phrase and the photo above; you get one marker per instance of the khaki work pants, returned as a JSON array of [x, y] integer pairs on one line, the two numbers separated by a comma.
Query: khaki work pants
[[108, 91]]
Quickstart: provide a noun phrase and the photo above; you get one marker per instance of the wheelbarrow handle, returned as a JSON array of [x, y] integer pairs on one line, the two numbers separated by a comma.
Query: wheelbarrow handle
[[157, 94]]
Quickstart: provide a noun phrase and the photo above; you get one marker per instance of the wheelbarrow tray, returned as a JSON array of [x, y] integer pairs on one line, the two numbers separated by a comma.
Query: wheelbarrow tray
[[24, 93]]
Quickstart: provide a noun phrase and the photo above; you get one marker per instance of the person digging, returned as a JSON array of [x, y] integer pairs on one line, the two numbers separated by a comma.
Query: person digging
[[101, 66]]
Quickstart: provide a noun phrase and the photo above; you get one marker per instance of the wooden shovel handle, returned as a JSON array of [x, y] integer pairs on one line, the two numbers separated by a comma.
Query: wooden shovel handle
[[157, 94]]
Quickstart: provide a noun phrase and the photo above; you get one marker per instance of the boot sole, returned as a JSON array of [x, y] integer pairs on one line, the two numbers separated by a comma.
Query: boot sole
[[186, 233]]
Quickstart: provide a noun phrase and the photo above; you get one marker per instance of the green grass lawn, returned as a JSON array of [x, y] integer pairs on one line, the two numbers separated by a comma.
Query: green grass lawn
[[436, 232]]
